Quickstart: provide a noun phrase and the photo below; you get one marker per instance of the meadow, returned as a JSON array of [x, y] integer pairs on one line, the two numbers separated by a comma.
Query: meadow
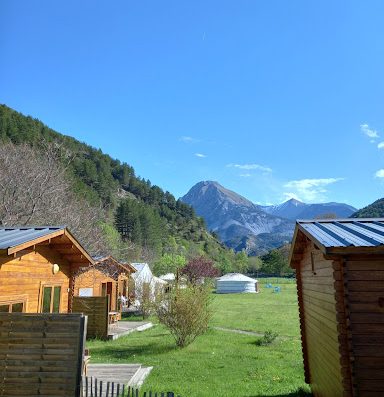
[[223, 362]]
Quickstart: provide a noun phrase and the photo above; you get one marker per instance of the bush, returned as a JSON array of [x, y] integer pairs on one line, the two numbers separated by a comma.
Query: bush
[[268, 337], [185, 312]]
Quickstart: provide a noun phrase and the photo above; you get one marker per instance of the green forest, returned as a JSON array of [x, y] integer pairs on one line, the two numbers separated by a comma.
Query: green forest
[[136, 220]]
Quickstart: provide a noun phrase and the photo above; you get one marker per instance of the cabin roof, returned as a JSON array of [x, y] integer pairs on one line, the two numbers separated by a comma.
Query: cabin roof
[[15, 239], [105, 259], [339, 236], [13, 236]]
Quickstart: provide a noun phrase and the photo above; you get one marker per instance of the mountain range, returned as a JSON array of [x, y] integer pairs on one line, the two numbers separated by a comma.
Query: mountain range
[[242, 224], [295, 209]]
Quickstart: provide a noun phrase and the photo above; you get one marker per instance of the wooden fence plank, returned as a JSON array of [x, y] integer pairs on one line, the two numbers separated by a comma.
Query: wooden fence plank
[[96, 309], [41, 354]]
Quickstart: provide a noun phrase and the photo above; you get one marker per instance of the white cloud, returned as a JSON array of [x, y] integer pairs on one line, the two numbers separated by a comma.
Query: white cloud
[[251, 167], [380, 145], [379, 173], [309, 190], [247, 175], [290, 195], [201, 155], [188, 139], [369, 132]]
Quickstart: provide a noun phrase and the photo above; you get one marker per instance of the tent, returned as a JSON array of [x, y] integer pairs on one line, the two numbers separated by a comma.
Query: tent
[[235, 283], [143, 276], [169, 277]]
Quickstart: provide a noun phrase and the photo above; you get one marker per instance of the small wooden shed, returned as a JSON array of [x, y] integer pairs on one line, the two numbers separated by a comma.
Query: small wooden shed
[[37, 265], [107, 276], [340, 283]]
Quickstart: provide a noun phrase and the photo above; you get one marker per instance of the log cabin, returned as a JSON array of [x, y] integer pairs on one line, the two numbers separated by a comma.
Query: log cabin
[[37, 268], [106, 277], [340, 284]]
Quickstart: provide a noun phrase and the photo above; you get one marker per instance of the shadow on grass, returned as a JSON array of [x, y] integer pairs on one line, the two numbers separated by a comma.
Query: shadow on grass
[[126, 316], [118, 352], [298, 393]]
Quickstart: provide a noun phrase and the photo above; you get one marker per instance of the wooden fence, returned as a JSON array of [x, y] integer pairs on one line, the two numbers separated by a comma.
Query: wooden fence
[[41, 354], [96, 308], [94, 388]]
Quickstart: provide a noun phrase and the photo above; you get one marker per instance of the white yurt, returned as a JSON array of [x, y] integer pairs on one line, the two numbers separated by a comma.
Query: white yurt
[[236, 283]]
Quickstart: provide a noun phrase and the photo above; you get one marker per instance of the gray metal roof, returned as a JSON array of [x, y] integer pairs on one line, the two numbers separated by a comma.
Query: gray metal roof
[[353, 232], [14, 236]]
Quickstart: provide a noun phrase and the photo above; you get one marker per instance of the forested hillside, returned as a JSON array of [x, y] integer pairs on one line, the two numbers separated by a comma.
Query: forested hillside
[[374, 210], [150, 222]]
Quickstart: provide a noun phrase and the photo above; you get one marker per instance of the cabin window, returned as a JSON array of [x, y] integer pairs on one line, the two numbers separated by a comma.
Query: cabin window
[[50, 301], [12, 307]]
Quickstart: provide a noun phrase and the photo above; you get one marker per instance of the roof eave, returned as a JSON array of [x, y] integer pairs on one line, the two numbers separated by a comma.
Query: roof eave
[[30, 243], [56, 233], [291, 259]]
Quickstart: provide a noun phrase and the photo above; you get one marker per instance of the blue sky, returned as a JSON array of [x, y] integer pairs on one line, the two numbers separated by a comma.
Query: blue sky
[[273, 99]]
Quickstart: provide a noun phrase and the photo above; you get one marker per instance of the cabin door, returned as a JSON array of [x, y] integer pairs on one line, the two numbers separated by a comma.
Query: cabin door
[[106, 289]]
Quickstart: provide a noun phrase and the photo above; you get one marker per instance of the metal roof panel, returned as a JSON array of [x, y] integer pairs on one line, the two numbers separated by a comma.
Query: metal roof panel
[[367, 232], [12, 237]]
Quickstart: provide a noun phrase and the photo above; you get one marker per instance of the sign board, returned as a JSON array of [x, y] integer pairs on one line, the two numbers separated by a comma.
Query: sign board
[[85, 291]]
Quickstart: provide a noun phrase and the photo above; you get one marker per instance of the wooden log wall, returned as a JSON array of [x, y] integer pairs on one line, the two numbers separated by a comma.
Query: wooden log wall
[[320, 335], [96, 308], [22, 276], [41, 354], [365, 293], [93, 279]]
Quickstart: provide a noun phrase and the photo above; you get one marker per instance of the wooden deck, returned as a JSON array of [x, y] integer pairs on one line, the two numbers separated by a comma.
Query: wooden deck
[[122, 328], [119, 374]]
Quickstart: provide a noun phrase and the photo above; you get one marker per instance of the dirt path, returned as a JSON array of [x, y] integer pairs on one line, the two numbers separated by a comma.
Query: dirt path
[[240, 331]]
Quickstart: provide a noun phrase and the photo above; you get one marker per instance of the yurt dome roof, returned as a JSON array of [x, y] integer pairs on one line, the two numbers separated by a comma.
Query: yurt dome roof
[[236, 277]]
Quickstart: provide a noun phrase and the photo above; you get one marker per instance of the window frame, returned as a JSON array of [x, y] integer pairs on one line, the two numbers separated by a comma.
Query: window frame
[[14, 300], [51, 285]]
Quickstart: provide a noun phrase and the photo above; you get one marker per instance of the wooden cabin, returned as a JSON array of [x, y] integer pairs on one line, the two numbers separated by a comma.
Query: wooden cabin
[[340, 283], [37, 265], [106, 277]]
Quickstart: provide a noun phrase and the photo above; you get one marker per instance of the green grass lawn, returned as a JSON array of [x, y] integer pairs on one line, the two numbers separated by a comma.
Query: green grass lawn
[[222, 363]]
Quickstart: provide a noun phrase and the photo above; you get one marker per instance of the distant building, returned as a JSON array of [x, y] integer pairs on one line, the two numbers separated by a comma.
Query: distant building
[[236, 283], [106, 277], [143, 275]]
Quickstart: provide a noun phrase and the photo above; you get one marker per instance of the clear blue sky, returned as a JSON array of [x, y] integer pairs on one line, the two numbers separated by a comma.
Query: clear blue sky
[[273, 99]]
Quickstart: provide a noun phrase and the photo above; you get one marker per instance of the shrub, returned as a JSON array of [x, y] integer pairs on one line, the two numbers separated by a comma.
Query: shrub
[[185, 312], [268, 337]]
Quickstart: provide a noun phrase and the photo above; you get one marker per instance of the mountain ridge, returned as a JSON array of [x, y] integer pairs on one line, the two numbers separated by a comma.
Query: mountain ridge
[[234, 217], [295, 209], [242, 224]]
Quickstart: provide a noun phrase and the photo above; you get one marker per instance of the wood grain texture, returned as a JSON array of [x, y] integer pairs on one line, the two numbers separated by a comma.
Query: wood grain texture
[[41, 354], [320, 323], [25, 275], [96, 309], [366, 305]]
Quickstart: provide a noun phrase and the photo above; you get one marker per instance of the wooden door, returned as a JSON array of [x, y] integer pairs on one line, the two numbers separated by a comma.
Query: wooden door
[[106, 290]]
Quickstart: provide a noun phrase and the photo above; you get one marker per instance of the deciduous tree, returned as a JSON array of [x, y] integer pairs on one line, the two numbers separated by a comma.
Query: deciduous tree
[[199, 267]]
